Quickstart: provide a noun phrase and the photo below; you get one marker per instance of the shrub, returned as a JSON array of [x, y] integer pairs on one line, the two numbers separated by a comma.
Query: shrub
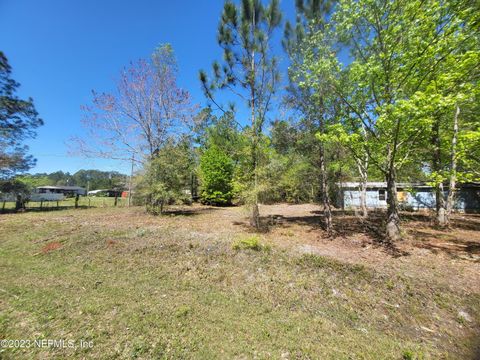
[[216, 174]]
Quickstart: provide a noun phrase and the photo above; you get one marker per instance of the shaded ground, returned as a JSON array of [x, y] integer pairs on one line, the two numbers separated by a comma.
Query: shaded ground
[[141, 286]]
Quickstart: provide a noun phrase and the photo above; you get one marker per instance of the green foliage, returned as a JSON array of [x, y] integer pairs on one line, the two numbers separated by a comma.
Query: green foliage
[[287, 178], [91, 179], [15, 187], [412, 355], [95, 179], [283, 136], [216, 175], [298, 183], [18, 122], [167, 177], [411, 65], [250, 243], [34, 181], [389, 74]]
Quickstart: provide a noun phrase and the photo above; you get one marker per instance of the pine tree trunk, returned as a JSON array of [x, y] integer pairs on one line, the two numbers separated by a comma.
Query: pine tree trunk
[[453, 166], [327, 211], [393, 217], [255, 214]]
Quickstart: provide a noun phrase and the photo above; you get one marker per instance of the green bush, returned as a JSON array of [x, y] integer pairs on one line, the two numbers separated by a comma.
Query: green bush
[[216, 174]]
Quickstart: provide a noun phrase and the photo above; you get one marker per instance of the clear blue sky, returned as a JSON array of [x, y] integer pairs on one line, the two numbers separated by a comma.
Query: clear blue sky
[[62, 49]]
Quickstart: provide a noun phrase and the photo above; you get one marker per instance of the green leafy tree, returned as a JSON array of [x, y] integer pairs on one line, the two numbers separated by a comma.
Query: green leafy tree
[[249, 71], [18, 122], [284, 136], [450, 101], [18, 189], [96, 179], [293, 176], [396, 49], [222, 132], [216, 175], [167, 178]]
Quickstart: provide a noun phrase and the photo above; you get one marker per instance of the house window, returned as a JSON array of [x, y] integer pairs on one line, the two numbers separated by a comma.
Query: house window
[[382, 195]]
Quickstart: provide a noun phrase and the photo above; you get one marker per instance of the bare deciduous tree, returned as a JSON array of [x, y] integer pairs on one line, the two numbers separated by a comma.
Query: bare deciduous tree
[[146, 108]]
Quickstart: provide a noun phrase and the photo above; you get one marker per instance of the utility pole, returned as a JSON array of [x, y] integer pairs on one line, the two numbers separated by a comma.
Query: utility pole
[[130, 183]]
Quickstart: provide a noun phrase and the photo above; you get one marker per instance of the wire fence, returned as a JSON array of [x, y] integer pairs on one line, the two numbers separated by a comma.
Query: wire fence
[[69, 203]]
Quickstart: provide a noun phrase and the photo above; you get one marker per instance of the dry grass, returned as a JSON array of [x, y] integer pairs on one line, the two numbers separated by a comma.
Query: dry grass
[[175, 286]]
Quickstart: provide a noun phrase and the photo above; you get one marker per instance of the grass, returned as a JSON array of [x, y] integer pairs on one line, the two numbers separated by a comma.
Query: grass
[[142, 287], [91, 201]]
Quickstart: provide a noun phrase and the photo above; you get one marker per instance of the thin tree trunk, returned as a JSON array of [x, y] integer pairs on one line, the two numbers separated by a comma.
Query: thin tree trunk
[[362, 169], [393, 217], [440, 205], [453, 166], [255, 213], [439, 196], [327, 211]]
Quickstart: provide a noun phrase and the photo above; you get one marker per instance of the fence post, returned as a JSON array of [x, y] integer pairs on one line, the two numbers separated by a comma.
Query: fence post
[[76, 201]]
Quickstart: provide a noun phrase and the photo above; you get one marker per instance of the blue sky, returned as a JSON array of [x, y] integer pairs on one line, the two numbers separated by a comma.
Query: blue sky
[[62, 49]]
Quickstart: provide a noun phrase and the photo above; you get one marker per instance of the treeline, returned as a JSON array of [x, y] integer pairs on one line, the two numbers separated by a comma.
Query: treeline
[[91, 179]]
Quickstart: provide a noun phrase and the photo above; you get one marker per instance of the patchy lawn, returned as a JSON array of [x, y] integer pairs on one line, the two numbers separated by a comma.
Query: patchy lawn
[[198, 284]]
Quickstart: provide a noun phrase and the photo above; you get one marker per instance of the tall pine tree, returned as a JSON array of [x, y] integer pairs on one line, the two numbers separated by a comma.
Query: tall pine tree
[[248, 70], [18, 121]]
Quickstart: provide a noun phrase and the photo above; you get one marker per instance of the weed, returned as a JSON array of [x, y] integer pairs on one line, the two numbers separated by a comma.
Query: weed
[[408, 355], [411, 355], [252, 243], [183, 311], [390, 284]]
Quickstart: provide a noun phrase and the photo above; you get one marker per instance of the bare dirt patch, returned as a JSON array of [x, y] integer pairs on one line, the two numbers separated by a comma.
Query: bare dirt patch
[[54, 245]]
